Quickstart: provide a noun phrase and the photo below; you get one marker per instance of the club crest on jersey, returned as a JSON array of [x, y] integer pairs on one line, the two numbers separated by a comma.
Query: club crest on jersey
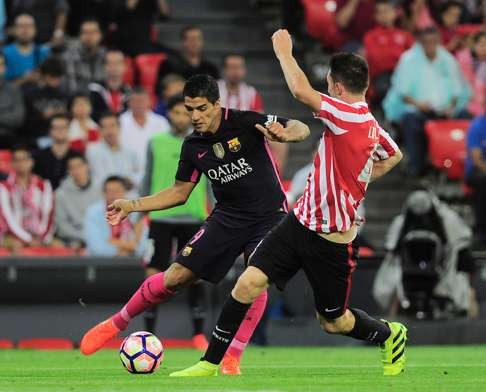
[[218, 150], [186, 251], [234, 145]]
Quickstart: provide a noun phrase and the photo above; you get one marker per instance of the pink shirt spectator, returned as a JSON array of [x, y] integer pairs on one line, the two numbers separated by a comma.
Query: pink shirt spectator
[[475, 73]]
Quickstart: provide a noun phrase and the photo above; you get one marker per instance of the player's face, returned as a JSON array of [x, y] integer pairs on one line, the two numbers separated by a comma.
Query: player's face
[[179, 118], [203, 114]]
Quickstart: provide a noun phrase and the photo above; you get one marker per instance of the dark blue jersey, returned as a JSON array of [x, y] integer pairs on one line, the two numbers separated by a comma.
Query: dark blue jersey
[[238, 163]]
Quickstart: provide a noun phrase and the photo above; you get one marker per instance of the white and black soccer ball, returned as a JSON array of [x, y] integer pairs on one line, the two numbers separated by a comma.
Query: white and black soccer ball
[[141, 353]]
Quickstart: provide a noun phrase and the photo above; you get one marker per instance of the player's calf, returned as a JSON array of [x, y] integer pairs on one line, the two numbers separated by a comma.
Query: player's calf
[[341, 325]]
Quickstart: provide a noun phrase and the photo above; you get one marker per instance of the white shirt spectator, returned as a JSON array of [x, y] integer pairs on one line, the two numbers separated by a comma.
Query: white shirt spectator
[[136, 137]]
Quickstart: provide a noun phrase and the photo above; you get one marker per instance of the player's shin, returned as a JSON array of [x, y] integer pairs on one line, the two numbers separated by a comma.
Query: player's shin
[[152, 292], [225, 330], [368, 328], [248, 326]]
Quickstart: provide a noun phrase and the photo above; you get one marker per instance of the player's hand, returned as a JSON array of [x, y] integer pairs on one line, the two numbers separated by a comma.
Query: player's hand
[[117, 211], [274, 132], [282, 43]]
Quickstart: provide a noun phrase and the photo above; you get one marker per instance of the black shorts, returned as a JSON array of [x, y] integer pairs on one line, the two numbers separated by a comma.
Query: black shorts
[[328, 265], [168, 238], [212, 251]]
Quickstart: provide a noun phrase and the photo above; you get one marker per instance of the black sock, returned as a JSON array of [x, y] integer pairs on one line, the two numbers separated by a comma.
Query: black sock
[[367, 328], [228, 323], [197, 303], [150, 317]]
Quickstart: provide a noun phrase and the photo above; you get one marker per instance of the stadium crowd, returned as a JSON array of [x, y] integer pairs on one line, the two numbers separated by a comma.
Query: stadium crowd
[[86, 86]]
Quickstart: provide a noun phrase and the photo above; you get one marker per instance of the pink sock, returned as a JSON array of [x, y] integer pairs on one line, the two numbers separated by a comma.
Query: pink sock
[[150, 293], [248, 326]]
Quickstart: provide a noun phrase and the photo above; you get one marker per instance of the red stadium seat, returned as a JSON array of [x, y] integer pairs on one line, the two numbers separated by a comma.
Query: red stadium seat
[[5, 160], [6, 344], [46, 344], [320, 21], [469, 29], [147, 70], [129, 77], [40, 251], [447, 146], [4, 252]]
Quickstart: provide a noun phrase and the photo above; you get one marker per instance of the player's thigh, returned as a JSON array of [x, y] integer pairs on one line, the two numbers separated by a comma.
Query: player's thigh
[[276, 256], [329, 267], [184, 232], [160, 237], [212, 251]]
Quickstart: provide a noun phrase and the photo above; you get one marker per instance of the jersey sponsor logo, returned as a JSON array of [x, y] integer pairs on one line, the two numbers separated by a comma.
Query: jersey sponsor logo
[[186, 251], [200, 155], [230, 171], [218, 150], [234, 145]]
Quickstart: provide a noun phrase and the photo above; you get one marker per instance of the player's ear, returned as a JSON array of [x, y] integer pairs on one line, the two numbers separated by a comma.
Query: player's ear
[[217, 104]]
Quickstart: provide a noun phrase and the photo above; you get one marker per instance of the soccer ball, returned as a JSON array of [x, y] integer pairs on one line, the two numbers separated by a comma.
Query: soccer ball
[[141, 353]]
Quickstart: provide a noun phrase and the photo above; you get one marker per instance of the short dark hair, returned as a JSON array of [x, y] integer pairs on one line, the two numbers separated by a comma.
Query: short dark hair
[[351, 70], [59, 116], [105, 115], [427, 31], [90, 19], [233, 54], [204, 86], [79, 96], [113, 50], [449, 4], [384, 2], [138, 90], [52, 66], [77, 155], [21, 147], [186, 29], [174, 101], [118, 179]]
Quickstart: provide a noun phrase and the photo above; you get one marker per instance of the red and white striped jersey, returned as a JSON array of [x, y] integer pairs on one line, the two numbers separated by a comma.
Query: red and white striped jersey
[[352, 140], [247, 97], [27, 212]]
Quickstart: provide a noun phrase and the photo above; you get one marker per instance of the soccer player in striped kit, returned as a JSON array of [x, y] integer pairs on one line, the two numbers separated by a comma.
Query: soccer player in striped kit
[[230, 148], [317, 236]]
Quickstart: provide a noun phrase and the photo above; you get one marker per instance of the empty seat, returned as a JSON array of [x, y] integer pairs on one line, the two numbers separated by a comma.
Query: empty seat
[[46, 344], [147, 70], [5, 160], [129, 77], [447, 146]]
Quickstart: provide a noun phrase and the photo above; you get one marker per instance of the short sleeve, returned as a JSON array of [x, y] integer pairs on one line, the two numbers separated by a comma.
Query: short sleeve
[[186, 171], [386, 147]]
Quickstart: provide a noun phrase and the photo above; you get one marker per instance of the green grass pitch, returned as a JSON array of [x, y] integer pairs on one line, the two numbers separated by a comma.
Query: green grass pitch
[[430, 369]]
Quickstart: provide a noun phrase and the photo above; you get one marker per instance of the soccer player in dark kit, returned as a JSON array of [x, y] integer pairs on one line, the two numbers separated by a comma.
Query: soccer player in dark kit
[[317, 235], [230, 148]]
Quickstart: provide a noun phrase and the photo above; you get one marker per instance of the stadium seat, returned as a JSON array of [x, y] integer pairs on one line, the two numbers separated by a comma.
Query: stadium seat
[[469, 29], [5, 160], [320, 21], [6, 344], [46, 344], [147, 70], [129, 77], [40, 251], [4, 252], [447, 147]]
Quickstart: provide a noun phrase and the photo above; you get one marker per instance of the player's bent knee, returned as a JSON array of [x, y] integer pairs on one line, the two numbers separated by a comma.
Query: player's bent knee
[[249, 285], [177, 276]]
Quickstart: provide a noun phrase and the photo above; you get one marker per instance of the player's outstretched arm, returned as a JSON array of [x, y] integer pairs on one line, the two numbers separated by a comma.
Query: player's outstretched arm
[[295, 131], [380, 168], [167, 198], [298, 83]]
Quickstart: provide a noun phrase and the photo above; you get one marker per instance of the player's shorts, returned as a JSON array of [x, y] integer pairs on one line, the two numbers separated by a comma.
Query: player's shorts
[[212, 251], [328, 265], [163, 236]]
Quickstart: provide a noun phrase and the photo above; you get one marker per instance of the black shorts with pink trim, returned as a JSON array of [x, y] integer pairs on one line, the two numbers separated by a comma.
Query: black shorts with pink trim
[[224, 236], [290, 246]]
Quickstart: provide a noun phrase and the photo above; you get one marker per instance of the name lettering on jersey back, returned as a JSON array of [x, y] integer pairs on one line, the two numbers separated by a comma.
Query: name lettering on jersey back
[[230, 171]]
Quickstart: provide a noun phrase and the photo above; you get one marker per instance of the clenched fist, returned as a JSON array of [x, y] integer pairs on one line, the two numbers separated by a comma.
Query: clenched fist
[[282, 43], [118, 210]]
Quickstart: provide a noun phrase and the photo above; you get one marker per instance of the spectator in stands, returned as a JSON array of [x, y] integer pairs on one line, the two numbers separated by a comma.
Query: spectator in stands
[[428, 256], [354, 18], [49, 15], [476, 173], [235, 93], [427, 84], [109, 157], [133, 24], [76, 193], [44, 100], [190, 61], [24, 56], [51, 162], [418, 15], [129, 238], [384, 44], [473, 66], [79, 11], [450, 15], [177, 224], [85, 58], [171, 86], [140, 123], [26, 205], [82, 129], [111, 94], [11, 109]]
